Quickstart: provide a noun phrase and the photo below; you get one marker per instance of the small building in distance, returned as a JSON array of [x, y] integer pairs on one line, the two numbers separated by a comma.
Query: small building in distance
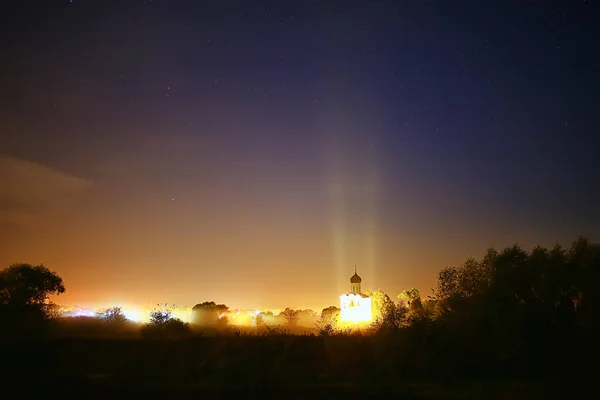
[[355, 306]]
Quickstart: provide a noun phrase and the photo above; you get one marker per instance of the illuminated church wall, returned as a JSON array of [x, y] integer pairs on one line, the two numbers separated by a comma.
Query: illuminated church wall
[[355, 306]]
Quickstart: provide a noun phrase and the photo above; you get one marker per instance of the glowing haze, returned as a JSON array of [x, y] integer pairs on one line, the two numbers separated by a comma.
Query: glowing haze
[[253, 155]]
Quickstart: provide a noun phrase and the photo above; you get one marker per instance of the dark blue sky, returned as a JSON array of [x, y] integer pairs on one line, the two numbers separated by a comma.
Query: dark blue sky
[[239, 144]]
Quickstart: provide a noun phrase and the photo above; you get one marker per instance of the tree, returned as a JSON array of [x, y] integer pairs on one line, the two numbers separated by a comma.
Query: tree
[[53, 312], [391, 317], [161, 315], [222, 321], [447, 284], [25, 309], [412, 298], [386, 313], [410, 295], [258, 320], [291, 316], [211, 306], [112, 315], [27, 285], [467, 285], [513, 304], [326, 324], [163, 325], [209, 313], [379, 302], [331, 311]]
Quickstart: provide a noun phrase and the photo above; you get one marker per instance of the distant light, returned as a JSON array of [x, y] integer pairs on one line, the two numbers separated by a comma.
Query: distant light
[[81, 312], [133, 315], [355, 308]]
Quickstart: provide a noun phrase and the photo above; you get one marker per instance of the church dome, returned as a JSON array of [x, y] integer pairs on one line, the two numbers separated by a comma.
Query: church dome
[[355, 278]]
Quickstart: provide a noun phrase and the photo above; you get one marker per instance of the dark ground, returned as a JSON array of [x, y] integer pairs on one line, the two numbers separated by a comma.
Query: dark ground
[[286, 367]]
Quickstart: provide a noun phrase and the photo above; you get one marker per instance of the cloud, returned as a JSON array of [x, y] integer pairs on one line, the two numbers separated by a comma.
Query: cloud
[[30, 189]]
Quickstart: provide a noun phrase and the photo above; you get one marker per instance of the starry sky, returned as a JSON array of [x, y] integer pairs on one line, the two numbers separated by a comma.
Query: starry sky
[[252, 153]]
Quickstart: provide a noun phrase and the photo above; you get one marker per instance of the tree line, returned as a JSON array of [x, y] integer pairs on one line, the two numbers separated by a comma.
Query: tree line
[[512, 310]]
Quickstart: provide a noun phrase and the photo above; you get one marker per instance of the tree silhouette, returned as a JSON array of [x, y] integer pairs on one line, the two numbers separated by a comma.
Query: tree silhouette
[[27, 285], [25, 309], [53, 312], [331, 311], [326, 324], [211, 306], [511, 306], [410, 295], [258, 320], [163, 325], [412, 298], [210, 313], [387, 315], [392, 317], [291, 316], [222, 321], [380, 301], [112, 315]]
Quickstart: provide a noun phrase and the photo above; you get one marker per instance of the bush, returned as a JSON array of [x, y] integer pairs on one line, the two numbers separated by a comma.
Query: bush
[[163, 325]]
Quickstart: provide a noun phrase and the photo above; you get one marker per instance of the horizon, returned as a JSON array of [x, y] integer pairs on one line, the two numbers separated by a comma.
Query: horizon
[[148, 305]]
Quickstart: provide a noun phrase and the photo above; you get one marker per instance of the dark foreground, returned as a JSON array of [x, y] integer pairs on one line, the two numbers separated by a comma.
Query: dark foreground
[[402, 390], [289, 367]]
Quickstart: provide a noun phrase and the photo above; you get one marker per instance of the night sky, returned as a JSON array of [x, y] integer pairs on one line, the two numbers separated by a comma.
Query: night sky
[[252, 153]]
